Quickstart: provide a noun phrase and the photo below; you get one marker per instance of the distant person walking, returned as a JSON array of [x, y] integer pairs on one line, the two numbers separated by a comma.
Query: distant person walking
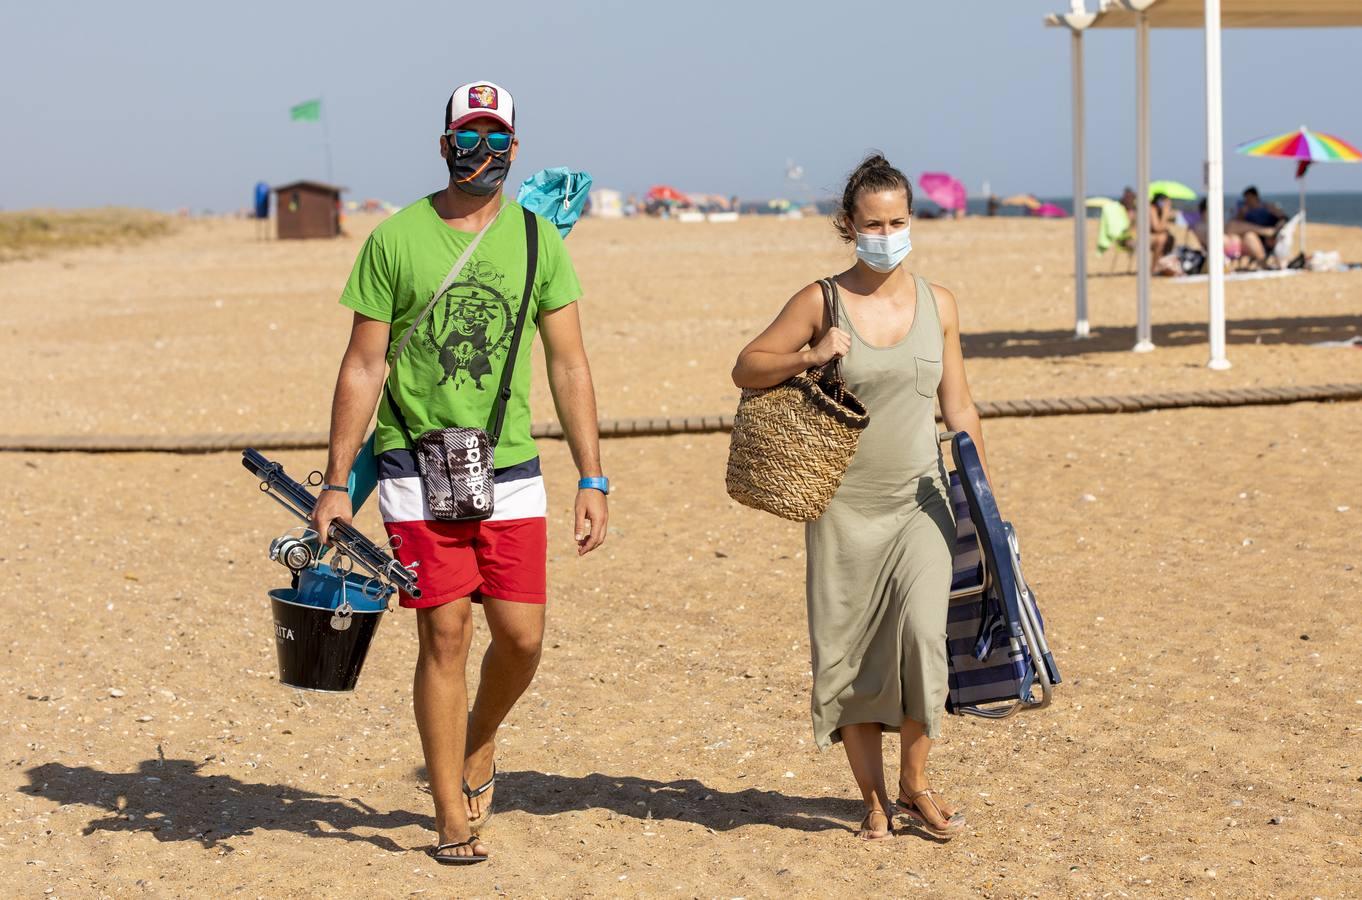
[[445, 373], [879, 558]]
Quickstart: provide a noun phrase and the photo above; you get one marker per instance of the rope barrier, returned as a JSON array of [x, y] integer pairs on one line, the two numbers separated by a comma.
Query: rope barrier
[[713, 424]]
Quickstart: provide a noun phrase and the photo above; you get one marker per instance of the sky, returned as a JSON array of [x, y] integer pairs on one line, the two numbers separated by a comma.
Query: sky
[[185, 105]]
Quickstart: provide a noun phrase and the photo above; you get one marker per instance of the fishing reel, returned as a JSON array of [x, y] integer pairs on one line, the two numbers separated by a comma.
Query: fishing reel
[[293, 551], [299, 554]]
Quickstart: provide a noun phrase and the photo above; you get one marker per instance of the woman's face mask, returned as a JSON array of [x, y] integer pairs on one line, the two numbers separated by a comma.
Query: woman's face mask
[[883, 252], [478, 171]]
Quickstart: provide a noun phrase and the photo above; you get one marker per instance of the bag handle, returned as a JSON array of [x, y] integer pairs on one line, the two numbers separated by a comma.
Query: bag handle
[[830, 303]]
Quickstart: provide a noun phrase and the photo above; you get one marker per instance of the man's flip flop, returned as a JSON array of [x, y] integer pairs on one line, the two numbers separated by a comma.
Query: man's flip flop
[[451, 860], [473, 794]]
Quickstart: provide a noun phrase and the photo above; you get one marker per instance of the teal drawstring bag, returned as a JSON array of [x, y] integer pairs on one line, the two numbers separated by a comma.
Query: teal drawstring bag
[[556, 194]]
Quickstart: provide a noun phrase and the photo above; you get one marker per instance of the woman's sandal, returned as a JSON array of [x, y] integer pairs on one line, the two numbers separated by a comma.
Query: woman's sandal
[[482, 819], [954, 824], [449, 859], [866, 833]]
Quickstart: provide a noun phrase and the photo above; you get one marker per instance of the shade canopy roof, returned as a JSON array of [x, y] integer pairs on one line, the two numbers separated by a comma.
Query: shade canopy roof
[[1233, 14]]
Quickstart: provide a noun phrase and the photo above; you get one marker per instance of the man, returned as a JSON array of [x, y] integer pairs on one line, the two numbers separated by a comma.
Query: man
[[447, 376], [1253, 216], [1254, 211]]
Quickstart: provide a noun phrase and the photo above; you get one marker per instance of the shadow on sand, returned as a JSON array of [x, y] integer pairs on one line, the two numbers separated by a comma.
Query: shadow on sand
[[174, 800], [1040, 344], [682, 800]]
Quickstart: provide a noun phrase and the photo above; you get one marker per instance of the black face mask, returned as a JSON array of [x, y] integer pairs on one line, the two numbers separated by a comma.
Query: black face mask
[[478, 171]]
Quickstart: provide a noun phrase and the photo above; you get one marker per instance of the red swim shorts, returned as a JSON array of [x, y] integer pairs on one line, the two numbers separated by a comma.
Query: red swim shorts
[[502, 557]]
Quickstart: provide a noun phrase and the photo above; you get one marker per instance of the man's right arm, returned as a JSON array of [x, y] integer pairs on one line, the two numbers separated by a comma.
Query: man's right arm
[[358, 385]]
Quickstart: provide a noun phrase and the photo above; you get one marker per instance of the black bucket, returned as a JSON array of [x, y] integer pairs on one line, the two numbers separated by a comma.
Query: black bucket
[[322, 632]]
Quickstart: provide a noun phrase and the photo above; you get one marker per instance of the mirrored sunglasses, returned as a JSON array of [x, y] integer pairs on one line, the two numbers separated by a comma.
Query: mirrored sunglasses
[[467, 139]]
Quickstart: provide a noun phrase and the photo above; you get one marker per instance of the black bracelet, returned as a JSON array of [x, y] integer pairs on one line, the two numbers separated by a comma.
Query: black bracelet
[[336, 487]]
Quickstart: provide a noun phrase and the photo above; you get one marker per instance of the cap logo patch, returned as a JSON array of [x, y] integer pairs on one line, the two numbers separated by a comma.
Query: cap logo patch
[[482, 96]]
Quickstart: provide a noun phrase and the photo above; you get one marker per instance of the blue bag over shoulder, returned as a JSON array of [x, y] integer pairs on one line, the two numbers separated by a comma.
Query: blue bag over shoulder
[[556, 194]]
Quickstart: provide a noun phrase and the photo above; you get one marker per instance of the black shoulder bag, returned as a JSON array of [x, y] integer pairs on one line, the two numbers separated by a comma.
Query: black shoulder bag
[[457, 464]]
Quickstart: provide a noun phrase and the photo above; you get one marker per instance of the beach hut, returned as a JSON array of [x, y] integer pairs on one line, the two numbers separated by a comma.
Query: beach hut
[[307, 209], [607, 203], [1211, 16]]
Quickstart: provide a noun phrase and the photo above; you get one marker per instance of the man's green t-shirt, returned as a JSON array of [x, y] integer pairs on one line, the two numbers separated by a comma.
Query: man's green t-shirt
[[450, 371]]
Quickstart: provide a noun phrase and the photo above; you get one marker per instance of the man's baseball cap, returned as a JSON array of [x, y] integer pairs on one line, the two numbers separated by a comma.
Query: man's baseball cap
[[480, 100]]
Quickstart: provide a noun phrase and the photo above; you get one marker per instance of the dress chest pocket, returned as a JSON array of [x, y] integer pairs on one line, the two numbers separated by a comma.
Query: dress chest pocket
[[927, 377]]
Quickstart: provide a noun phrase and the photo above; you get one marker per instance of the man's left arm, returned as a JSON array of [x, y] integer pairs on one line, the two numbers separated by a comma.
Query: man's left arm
[[574, 397]]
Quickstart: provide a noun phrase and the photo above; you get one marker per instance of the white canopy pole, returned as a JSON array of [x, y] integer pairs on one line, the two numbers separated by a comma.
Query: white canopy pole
[[1144, 336], [1215, 189], [1080, 194]]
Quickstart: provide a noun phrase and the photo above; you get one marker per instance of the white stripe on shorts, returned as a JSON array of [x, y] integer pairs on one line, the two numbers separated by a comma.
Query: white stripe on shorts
[[403, 500]]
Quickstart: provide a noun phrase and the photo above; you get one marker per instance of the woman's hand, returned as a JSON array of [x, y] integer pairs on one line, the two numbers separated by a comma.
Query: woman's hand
[[834, 345], [781, 351]]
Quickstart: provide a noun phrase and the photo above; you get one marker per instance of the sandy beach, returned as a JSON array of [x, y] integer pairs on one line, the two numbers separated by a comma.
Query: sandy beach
[[1199, 572]]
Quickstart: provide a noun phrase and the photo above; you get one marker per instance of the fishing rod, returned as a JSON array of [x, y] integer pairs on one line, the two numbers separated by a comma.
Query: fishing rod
[[276, 484]]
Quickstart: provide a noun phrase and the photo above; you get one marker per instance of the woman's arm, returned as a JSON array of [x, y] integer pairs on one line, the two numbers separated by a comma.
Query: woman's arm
[[958, 411], [779, 353]]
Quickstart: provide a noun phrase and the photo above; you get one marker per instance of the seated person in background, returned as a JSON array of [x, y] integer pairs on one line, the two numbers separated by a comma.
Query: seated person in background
[[1128, 200], [1253, 210], [1161, 240], [1162, 261], [1253, 216], [1126, 239], [1237, 246]]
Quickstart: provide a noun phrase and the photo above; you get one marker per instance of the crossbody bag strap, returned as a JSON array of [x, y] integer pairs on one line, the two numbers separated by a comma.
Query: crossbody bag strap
[[531, 265], [435, 298]]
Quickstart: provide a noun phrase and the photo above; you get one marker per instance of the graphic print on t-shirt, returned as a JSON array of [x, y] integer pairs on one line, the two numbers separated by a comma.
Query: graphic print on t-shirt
[[471, 326]]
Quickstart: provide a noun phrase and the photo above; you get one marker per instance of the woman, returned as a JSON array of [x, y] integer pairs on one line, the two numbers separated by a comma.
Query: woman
[[1245, 245], [879, 559]]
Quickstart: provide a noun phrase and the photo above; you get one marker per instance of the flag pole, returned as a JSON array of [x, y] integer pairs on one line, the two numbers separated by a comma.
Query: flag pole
[[326, 137]]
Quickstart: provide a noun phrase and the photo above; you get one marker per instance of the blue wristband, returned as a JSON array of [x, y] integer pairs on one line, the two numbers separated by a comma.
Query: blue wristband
[[599, 483]]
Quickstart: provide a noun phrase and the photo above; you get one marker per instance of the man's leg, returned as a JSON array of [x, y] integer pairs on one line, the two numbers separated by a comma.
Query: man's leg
[[440, 699], [508, 666]]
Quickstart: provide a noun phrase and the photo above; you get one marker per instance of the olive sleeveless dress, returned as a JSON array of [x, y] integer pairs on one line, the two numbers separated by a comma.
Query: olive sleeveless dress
[[879, 558]]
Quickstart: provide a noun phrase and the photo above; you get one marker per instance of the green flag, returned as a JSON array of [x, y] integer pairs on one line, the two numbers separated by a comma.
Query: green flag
[[307, 111]]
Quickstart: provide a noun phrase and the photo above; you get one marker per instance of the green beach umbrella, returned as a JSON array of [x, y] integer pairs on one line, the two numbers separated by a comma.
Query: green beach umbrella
[[1173, 190]]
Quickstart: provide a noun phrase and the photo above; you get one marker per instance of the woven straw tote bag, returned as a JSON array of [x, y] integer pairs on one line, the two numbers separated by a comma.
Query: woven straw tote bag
[[792, 443]]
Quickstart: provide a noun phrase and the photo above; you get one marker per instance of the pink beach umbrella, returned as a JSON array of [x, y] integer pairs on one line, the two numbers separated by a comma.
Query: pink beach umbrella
[[943, 190], [1049, 211]]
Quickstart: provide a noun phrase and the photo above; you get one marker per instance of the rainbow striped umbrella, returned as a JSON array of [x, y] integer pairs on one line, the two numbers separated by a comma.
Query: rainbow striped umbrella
[[1311, 146], [1306, 147]]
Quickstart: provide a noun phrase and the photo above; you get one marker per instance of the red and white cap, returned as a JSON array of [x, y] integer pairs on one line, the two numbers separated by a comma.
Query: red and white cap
[[480, 100]]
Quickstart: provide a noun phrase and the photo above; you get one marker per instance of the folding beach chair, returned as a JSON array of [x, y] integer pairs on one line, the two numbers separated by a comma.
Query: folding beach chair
[[995, 638], [1114, 233]]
